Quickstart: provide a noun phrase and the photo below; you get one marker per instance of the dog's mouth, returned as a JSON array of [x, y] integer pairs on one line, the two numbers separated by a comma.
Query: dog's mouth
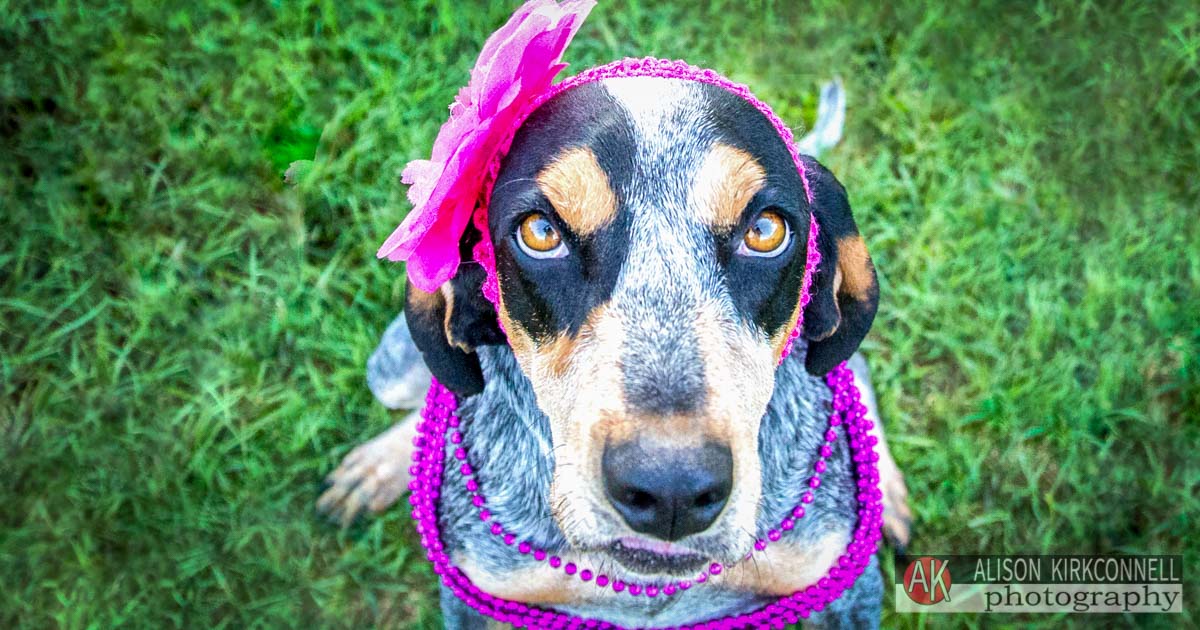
[[655, 557]]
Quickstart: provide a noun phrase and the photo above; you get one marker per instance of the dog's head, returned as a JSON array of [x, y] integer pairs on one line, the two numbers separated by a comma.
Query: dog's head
[[650, 239]]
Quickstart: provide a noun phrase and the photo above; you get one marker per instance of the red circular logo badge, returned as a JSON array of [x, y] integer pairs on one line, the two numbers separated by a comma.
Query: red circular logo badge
[[927, 580]]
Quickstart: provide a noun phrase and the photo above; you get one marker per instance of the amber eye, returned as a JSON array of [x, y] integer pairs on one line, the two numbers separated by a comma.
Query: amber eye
[[539, 238], [767, 236]]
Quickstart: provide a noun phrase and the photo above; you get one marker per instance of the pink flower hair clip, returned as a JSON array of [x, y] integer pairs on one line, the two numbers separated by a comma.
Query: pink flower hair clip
[[517, 65]]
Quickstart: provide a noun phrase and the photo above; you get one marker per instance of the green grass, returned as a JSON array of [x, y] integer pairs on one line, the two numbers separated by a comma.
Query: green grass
[[182, 337]]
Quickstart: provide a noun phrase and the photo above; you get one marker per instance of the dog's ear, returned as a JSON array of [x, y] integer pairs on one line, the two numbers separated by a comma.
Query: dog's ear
[[449, 324], [845, 293]]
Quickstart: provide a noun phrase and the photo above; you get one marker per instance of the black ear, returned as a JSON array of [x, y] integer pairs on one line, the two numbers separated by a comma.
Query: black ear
[[845, 293], [449, 324]]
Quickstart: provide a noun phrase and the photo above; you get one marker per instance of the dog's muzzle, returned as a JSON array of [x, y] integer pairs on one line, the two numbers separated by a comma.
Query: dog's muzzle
[[668, 493]]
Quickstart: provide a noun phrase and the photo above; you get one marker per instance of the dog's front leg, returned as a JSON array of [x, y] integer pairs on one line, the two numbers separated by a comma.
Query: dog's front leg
[[897, 517], [373, 475]]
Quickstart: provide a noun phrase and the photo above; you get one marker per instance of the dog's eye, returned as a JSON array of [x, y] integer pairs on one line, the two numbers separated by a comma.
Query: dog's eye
[[767, 236], [538, 237]]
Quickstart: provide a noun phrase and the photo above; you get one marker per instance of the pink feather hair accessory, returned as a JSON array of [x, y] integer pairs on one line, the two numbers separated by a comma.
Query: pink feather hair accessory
[[517, 65]]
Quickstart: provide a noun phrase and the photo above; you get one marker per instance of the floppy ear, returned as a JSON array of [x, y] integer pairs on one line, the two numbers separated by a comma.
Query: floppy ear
[[449, 324], [845, 293]]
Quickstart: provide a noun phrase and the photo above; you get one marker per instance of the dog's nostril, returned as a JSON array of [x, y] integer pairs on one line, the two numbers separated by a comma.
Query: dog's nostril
[[668, 493], [640, 500], [708, 498]]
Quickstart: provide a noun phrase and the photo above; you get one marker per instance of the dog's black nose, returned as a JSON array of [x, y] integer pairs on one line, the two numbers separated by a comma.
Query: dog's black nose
[[668, 493]]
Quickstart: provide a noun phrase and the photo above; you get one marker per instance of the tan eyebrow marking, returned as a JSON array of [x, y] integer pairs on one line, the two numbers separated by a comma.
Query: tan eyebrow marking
[[726, 181], [579, 190]]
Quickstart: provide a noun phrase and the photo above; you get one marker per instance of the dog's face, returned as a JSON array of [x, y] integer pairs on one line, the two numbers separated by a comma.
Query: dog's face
[[651, 240]]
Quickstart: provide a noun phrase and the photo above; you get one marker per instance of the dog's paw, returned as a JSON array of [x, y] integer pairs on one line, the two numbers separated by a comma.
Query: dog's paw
[[372, 476], [897, 516]]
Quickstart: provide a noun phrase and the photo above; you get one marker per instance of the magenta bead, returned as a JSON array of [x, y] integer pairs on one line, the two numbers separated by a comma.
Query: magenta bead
[[524, 548], [651, 591], [539, 555], [585, 575], [774, 535], [601, 580], [635, 589], [570, 568], [555, 561], [497, 529], [618, 586]]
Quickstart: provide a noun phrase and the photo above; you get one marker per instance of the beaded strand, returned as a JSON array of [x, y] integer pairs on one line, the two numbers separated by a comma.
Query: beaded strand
[[439, 421]]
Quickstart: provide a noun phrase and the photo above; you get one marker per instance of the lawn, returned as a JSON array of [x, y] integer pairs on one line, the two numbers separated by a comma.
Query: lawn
[[183, 336]]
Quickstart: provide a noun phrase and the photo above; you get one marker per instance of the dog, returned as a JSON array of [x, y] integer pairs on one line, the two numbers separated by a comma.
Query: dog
[[625, 405]]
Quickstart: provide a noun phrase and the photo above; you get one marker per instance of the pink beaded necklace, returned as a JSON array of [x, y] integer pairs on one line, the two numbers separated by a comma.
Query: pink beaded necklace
[[452, 190], [439, 424]]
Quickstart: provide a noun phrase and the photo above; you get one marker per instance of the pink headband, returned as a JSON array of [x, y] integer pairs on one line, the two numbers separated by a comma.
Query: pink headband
[[511, 79]]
